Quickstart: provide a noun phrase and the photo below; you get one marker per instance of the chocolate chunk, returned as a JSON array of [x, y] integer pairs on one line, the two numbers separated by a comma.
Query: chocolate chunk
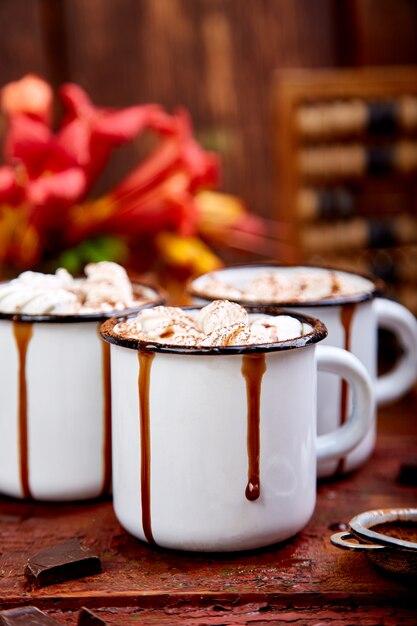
[[62, 562], [26, 616], [408, 472], [88, 618]]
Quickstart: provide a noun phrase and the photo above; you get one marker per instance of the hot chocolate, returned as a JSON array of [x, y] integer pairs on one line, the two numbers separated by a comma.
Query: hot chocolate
[[105, 288], [281, 285], [221, 323], [214, 423], [55, 414], [351, 307]]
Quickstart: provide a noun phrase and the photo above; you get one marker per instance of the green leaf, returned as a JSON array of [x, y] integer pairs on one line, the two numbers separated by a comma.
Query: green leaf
[[93, 251]]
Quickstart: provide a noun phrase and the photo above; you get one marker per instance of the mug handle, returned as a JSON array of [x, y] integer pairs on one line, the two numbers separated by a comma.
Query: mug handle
[[400, 321], [339, 442]]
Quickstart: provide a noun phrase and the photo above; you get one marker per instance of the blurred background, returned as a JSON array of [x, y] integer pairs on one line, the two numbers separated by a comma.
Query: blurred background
[[334, 185]]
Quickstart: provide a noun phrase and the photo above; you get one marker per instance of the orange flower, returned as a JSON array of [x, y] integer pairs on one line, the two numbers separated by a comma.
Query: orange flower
[[186, 253], [31, 96]]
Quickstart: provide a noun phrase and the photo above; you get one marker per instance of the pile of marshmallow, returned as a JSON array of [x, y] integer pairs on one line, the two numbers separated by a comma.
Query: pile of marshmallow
[[221, 323], [105, 288], [300, 285]]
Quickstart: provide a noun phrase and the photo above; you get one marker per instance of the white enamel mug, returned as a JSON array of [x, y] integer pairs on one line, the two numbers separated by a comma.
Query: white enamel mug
[[352, 323], [214, 449], [55, 430]]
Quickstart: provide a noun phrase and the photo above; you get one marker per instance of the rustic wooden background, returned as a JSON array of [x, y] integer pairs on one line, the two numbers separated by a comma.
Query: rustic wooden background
[[215, 57]]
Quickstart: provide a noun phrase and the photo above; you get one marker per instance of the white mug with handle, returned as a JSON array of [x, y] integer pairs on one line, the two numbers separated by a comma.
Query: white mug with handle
[[55, 411], [352, 322], [215, 449]]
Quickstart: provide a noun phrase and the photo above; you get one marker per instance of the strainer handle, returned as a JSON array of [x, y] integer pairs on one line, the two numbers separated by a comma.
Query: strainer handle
[[347, 541]]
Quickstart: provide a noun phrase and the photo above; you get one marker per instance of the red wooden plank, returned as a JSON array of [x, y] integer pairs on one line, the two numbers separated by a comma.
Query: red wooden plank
[[256, 614]]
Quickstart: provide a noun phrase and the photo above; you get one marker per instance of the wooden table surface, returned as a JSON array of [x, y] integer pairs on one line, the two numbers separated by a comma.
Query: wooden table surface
[[306, 580]]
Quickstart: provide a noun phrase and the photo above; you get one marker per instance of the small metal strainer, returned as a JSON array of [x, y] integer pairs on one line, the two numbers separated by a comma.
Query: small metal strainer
[[395, 555]]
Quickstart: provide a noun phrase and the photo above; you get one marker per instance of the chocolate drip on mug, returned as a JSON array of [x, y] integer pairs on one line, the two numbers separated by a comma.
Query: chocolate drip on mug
[[253, 368], [105, 358], [346, 317], [335, 284], [23, 333], [145, 362]]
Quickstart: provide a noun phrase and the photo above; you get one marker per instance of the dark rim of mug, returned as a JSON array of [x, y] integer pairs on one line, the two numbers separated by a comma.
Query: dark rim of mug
[[378, 287], [90, 317], [318, 332]]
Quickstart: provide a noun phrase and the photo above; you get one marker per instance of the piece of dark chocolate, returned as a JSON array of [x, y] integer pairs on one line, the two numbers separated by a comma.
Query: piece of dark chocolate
[[26, 616], [88, 618], [64, 561], [408, 472]]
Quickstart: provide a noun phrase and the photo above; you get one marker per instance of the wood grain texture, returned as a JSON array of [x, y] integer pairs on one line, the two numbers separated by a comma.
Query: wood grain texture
[[214, 57], [383, 32], [21, 41], [253, 613]]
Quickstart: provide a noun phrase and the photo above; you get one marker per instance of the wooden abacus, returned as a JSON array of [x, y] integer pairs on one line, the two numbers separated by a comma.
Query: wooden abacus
[[347, 170]]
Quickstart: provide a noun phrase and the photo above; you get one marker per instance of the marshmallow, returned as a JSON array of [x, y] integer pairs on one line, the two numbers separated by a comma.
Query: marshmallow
[[214, 288], [271, 286], [218, 324], [284, 285], [107, 288], [233, 335], [106, 283], [219, 314]]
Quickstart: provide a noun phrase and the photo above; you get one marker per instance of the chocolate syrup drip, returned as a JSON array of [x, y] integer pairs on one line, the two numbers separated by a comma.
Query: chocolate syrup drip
[[253, 368], [335, 284], [23, 333], [145, 362], [105, 358], [346, 317]]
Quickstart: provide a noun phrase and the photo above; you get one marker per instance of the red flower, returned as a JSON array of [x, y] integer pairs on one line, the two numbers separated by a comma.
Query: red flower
[[44, 185], [160, 192]]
